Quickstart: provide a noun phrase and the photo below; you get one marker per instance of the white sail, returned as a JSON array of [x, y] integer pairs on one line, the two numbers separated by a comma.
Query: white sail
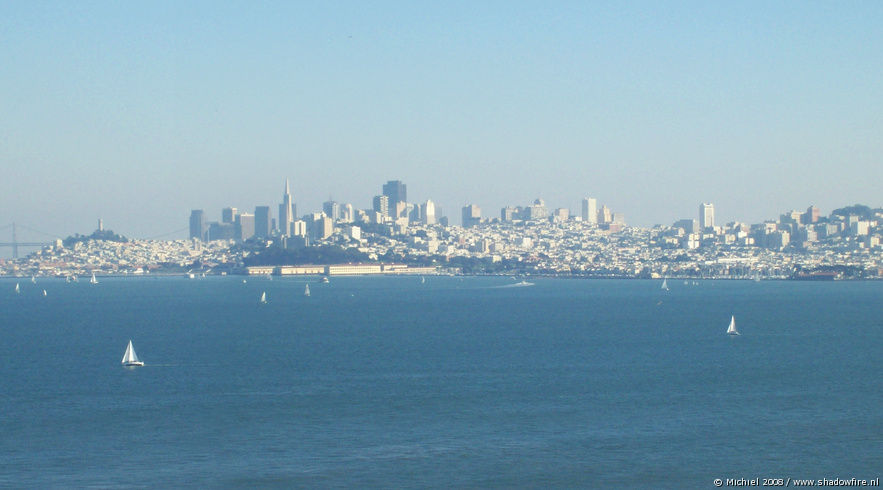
[[17, 289], [307, 290], [93, 280], [731, 330], [33, 280], [664, 285], [44, 292], [130, 358], [264, 297]]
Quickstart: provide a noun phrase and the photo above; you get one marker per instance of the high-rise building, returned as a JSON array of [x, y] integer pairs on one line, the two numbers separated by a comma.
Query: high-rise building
[[332, 209], [221, 231], [427, 210], [605, 215], [299, 228], [228, 215], [381, 206], [590, 210], [347, 213], [706, 216], [197, 224], [471, 215], [320, 227], [414, 215], [262, 222], [688, 225], [537, 210], [244, 226], [811, 215], [397, 192], [286, 212]]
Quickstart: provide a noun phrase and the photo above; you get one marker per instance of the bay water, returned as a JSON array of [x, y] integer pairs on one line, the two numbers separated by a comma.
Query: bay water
[[393, 382]]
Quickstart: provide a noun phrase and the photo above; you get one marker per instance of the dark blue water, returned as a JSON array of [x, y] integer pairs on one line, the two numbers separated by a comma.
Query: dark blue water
[[387, 382]]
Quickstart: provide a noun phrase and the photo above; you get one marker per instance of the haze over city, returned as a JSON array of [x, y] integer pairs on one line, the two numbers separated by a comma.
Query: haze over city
[[139, 113]]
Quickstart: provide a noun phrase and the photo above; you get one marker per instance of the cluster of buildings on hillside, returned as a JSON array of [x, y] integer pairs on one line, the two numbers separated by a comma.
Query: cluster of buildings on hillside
[[113, 257], [524, 239]]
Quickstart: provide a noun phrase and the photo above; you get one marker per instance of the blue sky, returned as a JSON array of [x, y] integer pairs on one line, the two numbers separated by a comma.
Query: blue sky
[[136, 112]]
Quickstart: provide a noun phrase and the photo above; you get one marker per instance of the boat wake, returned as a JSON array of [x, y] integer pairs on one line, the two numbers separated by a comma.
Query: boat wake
[[522, 284]]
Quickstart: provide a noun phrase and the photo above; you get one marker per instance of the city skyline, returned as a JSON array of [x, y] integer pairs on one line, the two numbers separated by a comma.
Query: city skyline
[[137, 114], [269, 220]]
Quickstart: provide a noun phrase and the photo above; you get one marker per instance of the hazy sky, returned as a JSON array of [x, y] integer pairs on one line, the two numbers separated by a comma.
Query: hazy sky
[[137, 112]]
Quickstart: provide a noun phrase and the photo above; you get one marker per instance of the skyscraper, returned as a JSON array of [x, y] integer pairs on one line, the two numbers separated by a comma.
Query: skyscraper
[[262, 221], [605, 215], [397, 192], [228, 215], [286, 212], [427, 211], [332, 209], [347, 214], [381, 206], [244, 226], [471, 215], [197, 224], [590, 210], [811, 215], [706, 216]]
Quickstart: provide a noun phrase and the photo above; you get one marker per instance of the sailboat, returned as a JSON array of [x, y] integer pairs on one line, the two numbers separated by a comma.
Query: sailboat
[[307, 290], [731, 330], [17, 289], [44, 292], [422, 280], [130, 359], [264, 298], [33, 280], [93, 280], [664, 285]]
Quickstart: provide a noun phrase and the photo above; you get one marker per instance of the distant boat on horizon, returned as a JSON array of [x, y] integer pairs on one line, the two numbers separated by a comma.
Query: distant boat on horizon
[[731, 330], [307, 290], [33, 280], [130, 359], [44, 292], [664, 285], [263, 298], [17, 289], [93, 280]]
